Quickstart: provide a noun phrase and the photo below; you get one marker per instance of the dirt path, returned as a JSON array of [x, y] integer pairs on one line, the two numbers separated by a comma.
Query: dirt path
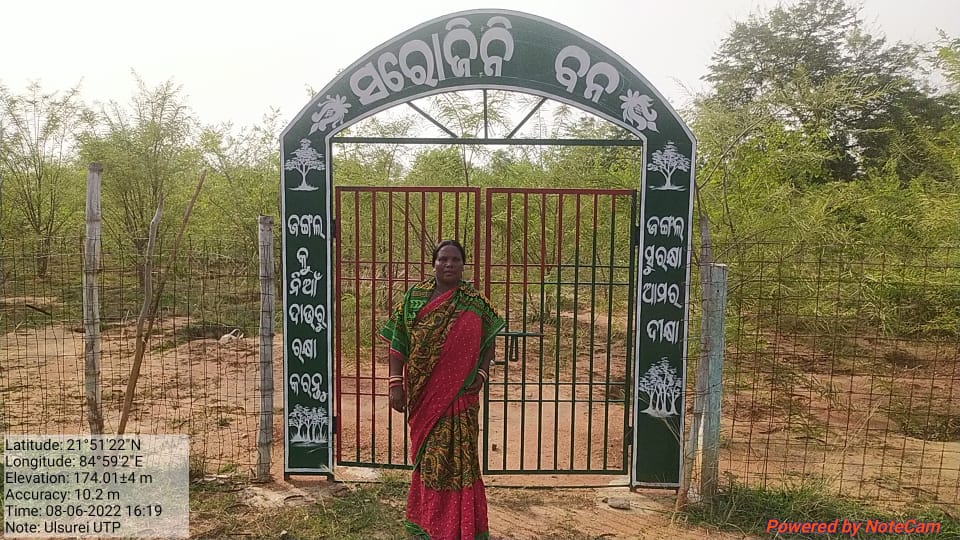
[[565, 513]]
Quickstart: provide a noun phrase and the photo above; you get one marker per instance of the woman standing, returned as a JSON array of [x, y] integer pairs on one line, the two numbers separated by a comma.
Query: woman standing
[[441, 342]]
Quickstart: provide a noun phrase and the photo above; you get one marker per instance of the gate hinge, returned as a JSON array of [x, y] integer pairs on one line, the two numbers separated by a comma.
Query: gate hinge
[[637, 233], [628, 436], [334, 425], [333, 228]]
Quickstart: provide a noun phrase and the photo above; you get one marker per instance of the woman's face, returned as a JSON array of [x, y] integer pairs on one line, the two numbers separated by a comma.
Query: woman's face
[[448, 266]]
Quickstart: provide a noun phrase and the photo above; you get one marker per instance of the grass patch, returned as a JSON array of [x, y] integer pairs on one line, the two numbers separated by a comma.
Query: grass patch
[[371, 511], [564, 533], [922, 423], [394, 484], [202, 330], [518, 499], [747, 510]]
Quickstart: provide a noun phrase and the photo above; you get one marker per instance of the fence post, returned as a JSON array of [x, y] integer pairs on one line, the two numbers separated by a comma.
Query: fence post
[[265, 432], [714, 309], [91, 302]]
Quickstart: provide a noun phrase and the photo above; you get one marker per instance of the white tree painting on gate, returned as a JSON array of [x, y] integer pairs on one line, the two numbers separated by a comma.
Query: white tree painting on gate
[[309, 425], [667, 162], [304, 160], [662, 385]]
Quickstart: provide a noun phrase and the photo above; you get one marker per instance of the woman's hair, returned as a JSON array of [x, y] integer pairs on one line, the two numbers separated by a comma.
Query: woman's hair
[[445, 243]]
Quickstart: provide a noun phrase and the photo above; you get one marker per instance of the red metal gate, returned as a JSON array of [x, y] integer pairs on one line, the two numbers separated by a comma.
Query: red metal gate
[[385, 237], [559, 264]]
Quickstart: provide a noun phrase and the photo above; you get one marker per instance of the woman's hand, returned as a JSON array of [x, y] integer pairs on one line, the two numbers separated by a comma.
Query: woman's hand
[[477, 385], [398, 398]]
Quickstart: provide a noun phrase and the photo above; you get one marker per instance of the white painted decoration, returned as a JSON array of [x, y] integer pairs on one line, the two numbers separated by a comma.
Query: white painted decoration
[[662, 387]]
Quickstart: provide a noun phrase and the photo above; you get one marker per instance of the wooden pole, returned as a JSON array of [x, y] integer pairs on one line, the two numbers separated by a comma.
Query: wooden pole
[[91, 303], [693, 435], [713, 318], [149, 310], [143, 328], [267, 284]]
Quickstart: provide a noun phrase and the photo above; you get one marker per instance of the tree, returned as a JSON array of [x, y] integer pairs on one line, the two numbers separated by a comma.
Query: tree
[[793, 56], [596, 166], [436, 166], [948, 60], [37, 160], [148, 155], [947, 141], [245, 169], [380, 163], [467, 118]]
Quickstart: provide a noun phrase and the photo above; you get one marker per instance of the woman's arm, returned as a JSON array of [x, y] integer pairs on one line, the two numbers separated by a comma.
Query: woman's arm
[[398, 391], [487, 358], [483, 373]]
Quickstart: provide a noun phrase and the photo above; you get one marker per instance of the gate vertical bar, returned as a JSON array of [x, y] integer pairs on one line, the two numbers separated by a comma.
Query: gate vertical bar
[[523, 326], [612, 279], [375, 329], [406, 285], [556, 355], [456, 229], [508, 241], [439, 217], [356, 311], [423, 232], [593, 310], [338, 345], [476, 237], [576, 328], [543, 290], [488, 278], [634, 234]]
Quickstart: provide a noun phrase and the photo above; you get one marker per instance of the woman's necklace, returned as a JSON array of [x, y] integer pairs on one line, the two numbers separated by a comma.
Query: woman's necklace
[[437, 291]]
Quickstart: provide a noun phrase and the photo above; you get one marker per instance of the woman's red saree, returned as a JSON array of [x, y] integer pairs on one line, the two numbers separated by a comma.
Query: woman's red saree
[[441, 343]]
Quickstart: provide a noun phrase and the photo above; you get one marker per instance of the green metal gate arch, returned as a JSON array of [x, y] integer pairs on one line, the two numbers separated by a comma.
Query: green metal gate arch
[[490, 49]]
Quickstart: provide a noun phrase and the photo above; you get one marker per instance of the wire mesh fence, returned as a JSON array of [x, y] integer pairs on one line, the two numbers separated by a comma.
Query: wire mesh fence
[[200, 371], [842, 363], [842, 367]]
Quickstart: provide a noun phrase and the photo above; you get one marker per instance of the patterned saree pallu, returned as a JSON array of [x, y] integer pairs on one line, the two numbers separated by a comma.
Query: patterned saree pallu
[[441, 342]]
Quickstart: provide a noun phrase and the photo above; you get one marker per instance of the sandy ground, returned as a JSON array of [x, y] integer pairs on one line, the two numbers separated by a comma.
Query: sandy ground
[[534, 513], [831, 425]]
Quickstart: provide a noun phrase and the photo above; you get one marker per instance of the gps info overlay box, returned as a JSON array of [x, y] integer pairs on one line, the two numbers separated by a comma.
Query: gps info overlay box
[[131, 486]]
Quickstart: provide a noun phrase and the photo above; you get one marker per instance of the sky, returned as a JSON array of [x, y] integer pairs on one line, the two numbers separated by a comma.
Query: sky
[[235, 60]]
